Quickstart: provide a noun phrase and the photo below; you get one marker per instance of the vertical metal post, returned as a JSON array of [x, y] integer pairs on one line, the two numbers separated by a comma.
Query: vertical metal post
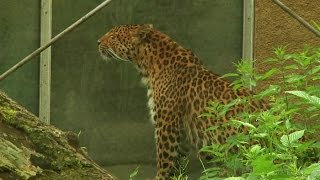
[[248, 29], [248, 33], [45, 61]]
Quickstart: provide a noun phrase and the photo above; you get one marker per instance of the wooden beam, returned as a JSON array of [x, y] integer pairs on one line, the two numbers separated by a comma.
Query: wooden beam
[[45, 61]]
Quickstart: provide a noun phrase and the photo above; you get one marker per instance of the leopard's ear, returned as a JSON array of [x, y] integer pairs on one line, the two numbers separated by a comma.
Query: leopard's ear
[[143, 31]]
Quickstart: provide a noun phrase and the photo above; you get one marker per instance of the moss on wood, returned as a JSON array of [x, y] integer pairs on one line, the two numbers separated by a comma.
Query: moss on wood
[[32, 149]]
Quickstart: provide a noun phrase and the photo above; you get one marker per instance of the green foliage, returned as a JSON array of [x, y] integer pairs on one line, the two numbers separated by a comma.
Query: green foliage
[[279, 141], [134, 173], [8, 113], [316, 25], [180, 171], [314, 100], [291, 139]]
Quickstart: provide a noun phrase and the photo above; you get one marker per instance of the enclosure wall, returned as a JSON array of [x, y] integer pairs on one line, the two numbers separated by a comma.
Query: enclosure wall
[[106, 101], [19, 34], [274, 28]]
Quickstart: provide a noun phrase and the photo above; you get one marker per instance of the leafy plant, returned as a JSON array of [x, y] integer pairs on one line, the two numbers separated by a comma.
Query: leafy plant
[[316, 25], [314, 100], [279, 141], [180, 173], [134, 173]]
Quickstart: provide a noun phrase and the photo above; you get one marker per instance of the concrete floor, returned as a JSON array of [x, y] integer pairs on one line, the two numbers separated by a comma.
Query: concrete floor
[[148, 171]]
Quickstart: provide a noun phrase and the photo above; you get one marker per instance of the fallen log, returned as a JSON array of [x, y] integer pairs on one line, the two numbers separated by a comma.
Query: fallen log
[[32, 149]]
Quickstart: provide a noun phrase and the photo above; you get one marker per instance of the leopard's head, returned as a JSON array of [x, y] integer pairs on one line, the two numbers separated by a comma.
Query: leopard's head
[[122, 42]]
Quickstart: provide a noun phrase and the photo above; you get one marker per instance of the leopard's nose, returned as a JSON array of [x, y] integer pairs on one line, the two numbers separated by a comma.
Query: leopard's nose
[[99, 42]]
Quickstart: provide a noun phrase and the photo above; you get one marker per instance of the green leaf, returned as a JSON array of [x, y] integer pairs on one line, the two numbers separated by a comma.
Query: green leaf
[[314, 70], [261, 135], [283, 156], [206, 115], [288, 124], [305, 146], [316, 25], [272, 89], [212, 128], [287, 140], [230, 75], [301, 94], [295, 136], [134, 173], [272, 60], [288, 56], [237, 86], [316, 145], [315, 78], [254, 151], [280, 52], [292, 66], [313, 89], [235, 178], [245, 124], [315, 174], [311, 99], [263, 165], [268, 74], [312, 168], [252, 83], [294, 78], [253, 177], [211, 173]]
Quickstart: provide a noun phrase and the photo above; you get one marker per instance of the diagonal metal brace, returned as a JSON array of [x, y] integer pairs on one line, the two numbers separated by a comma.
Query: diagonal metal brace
[[53, 40], [297, 17]]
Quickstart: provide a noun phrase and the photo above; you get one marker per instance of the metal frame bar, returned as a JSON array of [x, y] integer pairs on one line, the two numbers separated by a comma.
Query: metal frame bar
[[297, 17], [248, 30], [53, 40], [248, 33], [45, 61]]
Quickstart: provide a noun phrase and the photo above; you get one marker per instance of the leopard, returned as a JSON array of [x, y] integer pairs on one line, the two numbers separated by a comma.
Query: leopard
[[179, 88]]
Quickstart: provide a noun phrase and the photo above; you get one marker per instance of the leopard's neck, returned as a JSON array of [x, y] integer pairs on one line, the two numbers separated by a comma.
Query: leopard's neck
[[163, 59]]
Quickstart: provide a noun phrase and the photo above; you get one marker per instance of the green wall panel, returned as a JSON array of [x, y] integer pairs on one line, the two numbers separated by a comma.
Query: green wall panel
[[106, 101], [19, 34]]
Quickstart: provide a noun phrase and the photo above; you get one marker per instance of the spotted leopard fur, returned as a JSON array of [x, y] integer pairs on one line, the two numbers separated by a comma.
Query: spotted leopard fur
[[179, 90]]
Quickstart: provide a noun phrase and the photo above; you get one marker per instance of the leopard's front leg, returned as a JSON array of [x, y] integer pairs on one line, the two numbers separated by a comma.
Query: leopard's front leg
[[168, 140]]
